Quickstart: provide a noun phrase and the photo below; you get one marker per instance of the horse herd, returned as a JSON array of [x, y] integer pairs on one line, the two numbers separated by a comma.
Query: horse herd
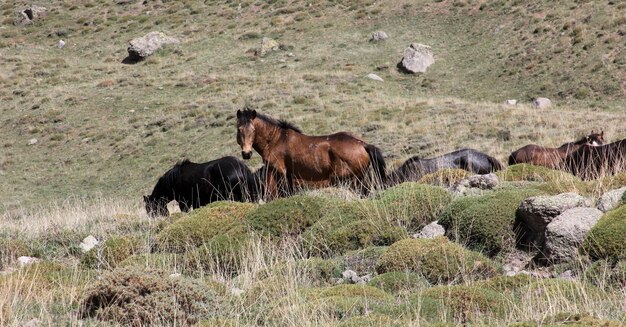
[[294, 160]]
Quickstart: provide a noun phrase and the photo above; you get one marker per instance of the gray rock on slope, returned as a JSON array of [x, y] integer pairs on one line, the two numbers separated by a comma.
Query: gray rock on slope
[[542, 103], [29, 15], [611, 199], [142, 47], [417, 58], [379, 36], [566, 233], [431, 230]]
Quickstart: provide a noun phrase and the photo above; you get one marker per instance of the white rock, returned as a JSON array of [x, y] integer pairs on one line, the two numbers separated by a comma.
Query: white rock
[[375, 77], [61, 44], [611, 199], [511, 102], [542, 103], [417, 58], [236, 291], [379, 36], [32, 141], [175, 275], [431, 230], [25, 261], [88, 243]]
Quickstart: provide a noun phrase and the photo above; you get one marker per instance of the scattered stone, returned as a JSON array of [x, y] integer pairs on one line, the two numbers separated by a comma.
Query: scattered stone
[[516, 261], [290, 54], [32, 141], [30, 15], [365, 279], [142, 47], [268, 45], [61, 44], [417, 58], [535, 213], [611, 199], [566, 233], [542, 103], [375, 77], [475, 185], [350, 276], [25, 261], [236, 291], [431, 230], [511, 102], [175, 275], [379, 36], [88, 243]]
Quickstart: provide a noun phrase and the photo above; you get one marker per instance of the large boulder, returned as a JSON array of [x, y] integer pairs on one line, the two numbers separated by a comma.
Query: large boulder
[[142, 47], [566, 233], [29, 15], [611, 199], [535, 213], [417, 58]]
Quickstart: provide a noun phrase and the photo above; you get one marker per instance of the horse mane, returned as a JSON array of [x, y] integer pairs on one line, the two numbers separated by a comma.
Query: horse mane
[[279, 122], [167, 180]]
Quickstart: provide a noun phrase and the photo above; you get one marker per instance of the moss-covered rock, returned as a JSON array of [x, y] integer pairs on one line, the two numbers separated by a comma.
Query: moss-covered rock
[[412, 204], [372, 320], [399, 281], [439, 260], [445, 177], [464, 304], [507, 284], [223, 253], [287, 216], [137, 297], [320, 271], [485, 223], [222, 218], [607, 239], [532, 173], [110, 253]]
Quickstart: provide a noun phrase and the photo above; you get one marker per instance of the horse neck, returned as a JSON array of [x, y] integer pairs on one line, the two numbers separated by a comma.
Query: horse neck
[[569, 147], [266, 137], [162, 192]]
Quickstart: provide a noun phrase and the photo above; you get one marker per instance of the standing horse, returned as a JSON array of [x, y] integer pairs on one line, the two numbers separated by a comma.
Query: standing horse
[[193, 185], [468, 159], [552, 157], [590, 162], [309, 160]]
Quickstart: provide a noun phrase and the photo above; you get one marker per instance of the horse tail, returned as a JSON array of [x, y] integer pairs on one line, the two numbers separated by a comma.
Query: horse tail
[[495, 163], [377, 161]]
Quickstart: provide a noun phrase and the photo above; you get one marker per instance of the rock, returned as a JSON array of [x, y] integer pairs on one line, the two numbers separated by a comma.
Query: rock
[[475, 185], [535, 213], [516, 261], [25, 261], [236, 291], [61, 44], [511, 102], [375, 77], [268, 45], [350, 276], [431, 230], [88, 243], [379, 36], [175, 275], [611, 199], [542, 103], [32, 141], [417, 58], [142, 47], [366, 278], [30, 15], [566, 233], [567, 275]]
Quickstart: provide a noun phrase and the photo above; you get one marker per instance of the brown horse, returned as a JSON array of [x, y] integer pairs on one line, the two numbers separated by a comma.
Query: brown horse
[[590, 162], [302, 160], [552, 157]]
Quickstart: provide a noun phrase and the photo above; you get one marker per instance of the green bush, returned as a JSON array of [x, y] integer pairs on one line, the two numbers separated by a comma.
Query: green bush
[[397, 281], [464, 304], [439, 260], [445, 177], [532, 173], [223, 253], [111, 252], [11, 249], [607, 239], [606, 274], [135, 297], [363, 261], [286, 216], [485, 223], [217, 219], [372, 320], [507, 284], [320, 271], [412, 204]]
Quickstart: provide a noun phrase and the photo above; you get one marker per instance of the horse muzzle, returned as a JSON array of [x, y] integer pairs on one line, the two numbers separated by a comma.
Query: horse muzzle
[[246, 155]]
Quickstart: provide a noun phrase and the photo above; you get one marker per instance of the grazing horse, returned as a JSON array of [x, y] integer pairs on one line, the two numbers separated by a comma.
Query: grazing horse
[[193, 185], [299, 159], [468, 159], [552, 157], [590, 162]]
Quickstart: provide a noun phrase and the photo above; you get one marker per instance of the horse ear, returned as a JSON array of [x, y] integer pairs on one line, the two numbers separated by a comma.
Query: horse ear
[[145, 198], [602, 134], [253, 114], [238, 113], [592, 132]]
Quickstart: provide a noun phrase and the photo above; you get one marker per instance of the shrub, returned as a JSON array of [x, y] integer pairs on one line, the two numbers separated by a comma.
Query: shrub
[[372, 320], [606, 274], [464, 304], [11, 249], [363, 261], [223, 253], [320, 271], [397, 281], [222, 218], [413, 205], [111, 252], [135, 297], [532, 173], [561, 290], [445, 177], [439, 260], [286, 216], [485, 223], [607, 239], [507, 284]]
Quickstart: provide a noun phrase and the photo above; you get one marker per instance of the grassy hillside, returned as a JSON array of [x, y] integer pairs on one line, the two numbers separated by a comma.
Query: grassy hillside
[[103, 127]]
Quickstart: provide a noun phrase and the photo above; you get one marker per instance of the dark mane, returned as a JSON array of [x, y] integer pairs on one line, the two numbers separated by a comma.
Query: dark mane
[[170, 176], [280, 123]]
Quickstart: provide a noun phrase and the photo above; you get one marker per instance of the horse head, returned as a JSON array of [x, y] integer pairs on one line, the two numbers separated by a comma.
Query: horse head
[[245, 131], [155, 207], [595, 139]]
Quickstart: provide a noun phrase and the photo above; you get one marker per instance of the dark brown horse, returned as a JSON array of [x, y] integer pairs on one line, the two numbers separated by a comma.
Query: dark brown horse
[[552, 157], [312, 161], [591, 162]]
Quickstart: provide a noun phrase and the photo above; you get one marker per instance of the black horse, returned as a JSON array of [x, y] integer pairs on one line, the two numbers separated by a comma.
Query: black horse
[[468, 159], [194, 185], [591, 162]]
